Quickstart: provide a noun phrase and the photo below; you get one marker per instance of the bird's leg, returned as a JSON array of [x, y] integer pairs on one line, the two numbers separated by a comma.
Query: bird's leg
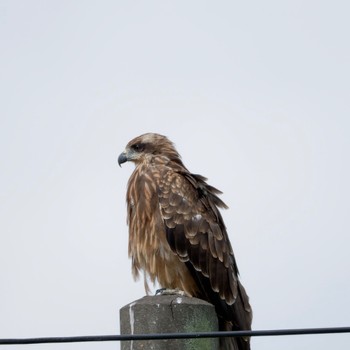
[[168, 291]]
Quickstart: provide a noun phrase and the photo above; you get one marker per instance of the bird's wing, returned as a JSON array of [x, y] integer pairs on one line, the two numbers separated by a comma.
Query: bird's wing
[[196, 233]]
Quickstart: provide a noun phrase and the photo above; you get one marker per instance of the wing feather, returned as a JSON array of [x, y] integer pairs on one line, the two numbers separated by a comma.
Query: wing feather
[[211, 240], [196, 233]]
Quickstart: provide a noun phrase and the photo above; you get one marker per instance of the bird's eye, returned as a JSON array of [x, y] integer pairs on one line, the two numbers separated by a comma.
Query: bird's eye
[[138, 147]]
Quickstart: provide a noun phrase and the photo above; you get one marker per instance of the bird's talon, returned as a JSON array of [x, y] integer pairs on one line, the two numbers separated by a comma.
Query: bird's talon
[[168, 291]]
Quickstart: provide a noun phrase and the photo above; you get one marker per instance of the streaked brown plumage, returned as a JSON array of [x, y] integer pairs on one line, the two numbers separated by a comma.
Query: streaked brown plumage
[[177, 235]]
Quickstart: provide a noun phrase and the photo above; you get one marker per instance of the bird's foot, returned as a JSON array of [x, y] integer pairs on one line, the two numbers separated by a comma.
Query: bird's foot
[[168, 291]]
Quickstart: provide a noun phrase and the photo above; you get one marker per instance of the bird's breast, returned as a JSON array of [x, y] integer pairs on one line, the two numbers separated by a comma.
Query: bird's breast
[[148, 247]]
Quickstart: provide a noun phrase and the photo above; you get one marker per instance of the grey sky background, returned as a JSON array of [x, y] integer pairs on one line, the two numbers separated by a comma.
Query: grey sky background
[[256, 97]]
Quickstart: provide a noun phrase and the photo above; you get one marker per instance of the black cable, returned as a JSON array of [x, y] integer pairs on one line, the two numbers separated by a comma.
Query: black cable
[[125, 337]]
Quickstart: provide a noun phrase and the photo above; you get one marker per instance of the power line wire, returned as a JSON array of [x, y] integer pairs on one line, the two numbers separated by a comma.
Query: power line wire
[[125, 337]]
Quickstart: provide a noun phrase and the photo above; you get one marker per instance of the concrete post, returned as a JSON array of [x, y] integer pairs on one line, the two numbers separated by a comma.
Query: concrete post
[[169, 314]]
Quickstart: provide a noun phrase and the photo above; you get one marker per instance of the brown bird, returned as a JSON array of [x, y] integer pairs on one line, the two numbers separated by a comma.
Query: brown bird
[[177, 235]]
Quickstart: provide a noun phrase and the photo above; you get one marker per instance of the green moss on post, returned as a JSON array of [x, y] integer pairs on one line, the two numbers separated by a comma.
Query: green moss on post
[[169, 314]]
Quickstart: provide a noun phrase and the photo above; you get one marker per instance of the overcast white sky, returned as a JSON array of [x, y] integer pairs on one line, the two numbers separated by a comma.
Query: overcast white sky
[[256, 97]]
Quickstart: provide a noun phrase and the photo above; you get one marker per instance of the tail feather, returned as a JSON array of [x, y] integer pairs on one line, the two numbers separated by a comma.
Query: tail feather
[[241, 314], [232, 343]]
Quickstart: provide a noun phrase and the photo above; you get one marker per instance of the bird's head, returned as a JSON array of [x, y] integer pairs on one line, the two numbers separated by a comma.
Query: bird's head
[[147, 146]]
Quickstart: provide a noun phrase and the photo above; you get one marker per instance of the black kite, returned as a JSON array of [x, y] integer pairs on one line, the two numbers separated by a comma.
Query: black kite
[[177, 235]]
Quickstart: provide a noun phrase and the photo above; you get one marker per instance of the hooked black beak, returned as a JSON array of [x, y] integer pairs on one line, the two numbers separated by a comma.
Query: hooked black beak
[[122, 158]]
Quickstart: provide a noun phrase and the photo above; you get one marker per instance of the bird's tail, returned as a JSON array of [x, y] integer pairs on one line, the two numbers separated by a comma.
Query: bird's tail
[[233, 343], [241, 320]]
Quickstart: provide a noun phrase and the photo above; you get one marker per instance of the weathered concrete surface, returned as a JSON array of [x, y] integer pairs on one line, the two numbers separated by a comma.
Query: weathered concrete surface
[[168, 314]]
